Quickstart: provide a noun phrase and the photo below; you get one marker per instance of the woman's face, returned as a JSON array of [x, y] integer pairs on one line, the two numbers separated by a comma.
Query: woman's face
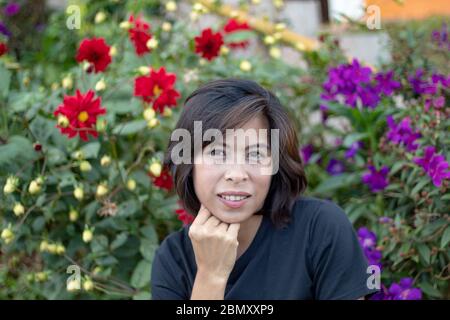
[[223, 179]]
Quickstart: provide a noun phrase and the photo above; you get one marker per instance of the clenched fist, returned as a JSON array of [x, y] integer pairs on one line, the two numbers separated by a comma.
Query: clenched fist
[[215, 244]]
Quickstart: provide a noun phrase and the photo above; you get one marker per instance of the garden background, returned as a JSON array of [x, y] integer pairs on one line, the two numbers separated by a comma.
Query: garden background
[[89, 94]]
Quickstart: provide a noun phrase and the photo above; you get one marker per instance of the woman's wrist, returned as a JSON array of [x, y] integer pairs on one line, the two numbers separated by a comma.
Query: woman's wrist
[[211, 277]]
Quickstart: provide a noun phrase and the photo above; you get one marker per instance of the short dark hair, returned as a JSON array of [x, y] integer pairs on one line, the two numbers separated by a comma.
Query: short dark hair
[[228, 104]]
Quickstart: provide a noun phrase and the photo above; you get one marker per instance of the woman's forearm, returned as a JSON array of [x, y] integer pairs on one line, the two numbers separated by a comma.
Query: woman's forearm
[[208, 286]]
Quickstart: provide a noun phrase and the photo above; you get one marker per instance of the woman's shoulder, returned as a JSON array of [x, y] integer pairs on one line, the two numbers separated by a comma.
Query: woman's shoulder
[[316, 213]]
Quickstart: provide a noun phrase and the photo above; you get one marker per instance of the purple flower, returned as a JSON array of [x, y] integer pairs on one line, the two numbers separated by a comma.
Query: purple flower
[[367, 238], [11, 9], [404, 290], [350, 83], [368, 241], [434, 165], [369, 96], [306, 152], [402, 133], [355, 146], [4, 30], [376, 180], [335, 167], [385, 83], [440, 78], [440, 37], [383, 294], [385, 220], [421, 86]]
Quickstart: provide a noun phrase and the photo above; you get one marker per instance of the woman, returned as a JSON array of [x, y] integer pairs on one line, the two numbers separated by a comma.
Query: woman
[[255, 236]]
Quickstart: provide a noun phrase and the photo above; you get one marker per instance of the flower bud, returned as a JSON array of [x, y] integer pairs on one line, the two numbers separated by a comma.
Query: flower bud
[[52, 248], [144, 70], [152, 43], [63, 121], [78, 193], [131, 184], [171, 6], [87, 235], [269, 40], [245, 65], [275, 52], [18, 209], [85, 166], [34, 187], [11, 185], [7, 235], [167, 112], [166, 26], [41, 276], [113, 51], [224, 50], [43, 246], [153, 123], [100, 17], [73, 215], [156, 169], [88, 285], [125, 25], [60, 249], [78, 155], [102, 190], [105, 161], [149, 114], [100, 85], [67, 82]]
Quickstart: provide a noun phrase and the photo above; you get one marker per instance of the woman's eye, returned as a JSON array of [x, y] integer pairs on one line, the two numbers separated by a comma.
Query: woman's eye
[[217, 152], [255, 154]]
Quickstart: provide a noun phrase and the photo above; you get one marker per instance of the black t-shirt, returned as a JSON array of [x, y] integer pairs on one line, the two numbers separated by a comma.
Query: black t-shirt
[[317, 256]]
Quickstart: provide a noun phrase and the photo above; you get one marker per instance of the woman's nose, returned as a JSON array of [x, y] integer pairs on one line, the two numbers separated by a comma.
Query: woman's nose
[[236, 174]]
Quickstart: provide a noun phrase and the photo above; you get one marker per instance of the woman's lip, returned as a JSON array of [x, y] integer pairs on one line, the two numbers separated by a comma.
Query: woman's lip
[[233, 204]]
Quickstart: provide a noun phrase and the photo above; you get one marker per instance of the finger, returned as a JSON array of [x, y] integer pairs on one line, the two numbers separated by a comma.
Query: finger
[[202, 216], [212, 222], [223, 227], [233, 229]]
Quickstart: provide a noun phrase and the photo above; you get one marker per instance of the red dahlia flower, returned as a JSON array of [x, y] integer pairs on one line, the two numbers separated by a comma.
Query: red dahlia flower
[[164, 181], [234, 25], [95, 51], [3, 48], [139, 35], [208, 44], [81, 111], [157, 88]]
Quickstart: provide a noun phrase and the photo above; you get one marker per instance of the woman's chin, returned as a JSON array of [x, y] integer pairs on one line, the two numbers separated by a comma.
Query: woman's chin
[[231, 217]]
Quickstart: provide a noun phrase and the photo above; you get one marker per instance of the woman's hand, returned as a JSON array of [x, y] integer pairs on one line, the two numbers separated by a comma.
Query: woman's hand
[[215, 244]]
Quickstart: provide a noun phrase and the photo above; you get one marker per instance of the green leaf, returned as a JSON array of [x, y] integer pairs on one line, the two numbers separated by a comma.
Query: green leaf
[[419, 186], [141, 274], [353, 137], [430, 290], [148, 249], [5, 80], [17, 150], [424, 252], [445, 237], [119, 240], [144, 295], [130, 127], [91, 150], [336, 182], [149, 232]]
